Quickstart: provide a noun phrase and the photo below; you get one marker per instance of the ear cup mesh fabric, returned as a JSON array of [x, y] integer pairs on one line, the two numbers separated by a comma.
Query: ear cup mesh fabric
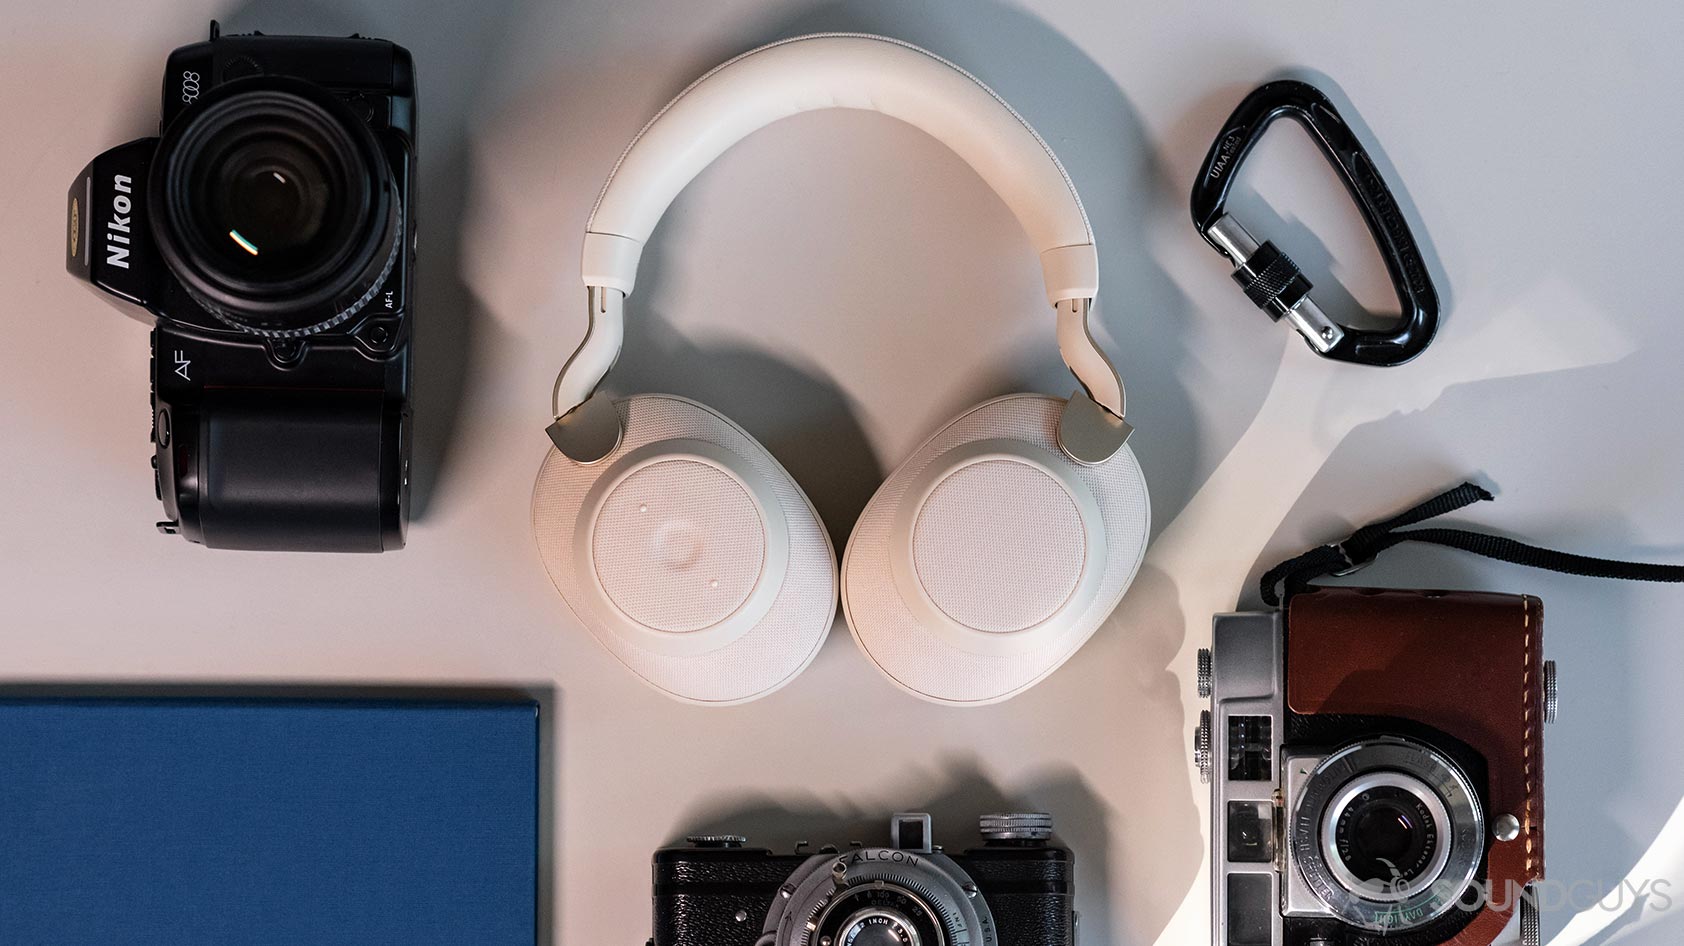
[[678, 545], [763, 658], [999, 546], [927, 663]]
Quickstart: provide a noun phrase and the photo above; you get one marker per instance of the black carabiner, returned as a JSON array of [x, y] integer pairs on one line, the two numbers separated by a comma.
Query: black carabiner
[[1270, 278]]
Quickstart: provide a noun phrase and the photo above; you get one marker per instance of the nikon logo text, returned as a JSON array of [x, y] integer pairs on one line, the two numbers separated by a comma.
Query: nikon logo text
[[117, 228]]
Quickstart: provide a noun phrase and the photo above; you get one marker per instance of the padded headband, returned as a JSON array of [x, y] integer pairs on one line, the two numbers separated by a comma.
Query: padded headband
[[835, 70], [838, 70]]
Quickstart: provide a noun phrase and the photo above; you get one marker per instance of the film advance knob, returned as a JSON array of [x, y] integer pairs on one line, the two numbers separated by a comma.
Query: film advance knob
[[1017, 826], [1205, 673], [1201, 747]]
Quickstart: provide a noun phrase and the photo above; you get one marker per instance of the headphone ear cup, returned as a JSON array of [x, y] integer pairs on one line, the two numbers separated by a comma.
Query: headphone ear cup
[[989, 557], [690, 553]]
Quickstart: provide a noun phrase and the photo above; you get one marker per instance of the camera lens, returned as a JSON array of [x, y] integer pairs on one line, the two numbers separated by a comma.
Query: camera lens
[[878, 915], [271, 198], [1380, 835], [898, 896], [879, 928], [1386, 835], [275, 207]]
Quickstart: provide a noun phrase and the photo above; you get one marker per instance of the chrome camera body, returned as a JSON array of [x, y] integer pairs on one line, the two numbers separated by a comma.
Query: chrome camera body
[[1342, 819]]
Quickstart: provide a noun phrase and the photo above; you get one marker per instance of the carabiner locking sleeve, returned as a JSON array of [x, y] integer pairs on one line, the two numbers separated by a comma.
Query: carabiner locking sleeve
[[1269, 277]]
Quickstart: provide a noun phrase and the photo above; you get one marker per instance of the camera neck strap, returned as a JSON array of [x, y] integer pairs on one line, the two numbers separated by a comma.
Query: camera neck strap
[[1294, 575]]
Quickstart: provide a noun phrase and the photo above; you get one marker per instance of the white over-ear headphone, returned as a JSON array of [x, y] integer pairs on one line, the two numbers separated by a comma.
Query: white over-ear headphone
[[980, 565]]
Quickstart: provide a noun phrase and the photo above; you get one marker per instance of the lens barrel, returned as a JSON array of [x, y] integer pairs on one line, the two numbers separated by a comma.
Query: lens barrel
[[879, 914], [275, 207], [889, 897], [1388, 833]]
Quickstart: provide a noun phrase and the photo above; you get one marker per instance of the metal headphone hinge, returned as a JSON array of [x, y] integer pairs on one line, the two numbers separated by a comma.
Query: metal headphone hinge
[[1088, 433], [588, 433]]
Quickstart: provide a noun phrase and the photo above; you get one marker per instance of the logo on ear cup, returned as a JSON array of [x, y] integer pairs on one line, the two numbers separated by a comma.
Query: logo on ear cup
[[685, 499], [686, 546], [678, 545]]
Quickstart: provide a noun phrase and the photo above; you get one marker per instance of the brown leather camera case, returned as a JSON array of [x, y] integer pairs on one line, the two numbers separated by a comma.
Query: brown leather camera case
[[1467, 663]]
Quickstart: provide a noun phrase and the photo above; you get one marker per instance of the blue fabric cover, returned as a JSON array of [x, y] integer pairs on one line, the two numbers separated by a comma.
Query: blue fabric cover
[[187, 822]]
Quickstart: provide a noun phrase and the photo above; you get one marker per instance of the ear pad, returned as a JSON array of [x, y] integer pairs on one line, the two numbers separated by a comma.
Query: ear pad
[[690, 553], [989, 557]]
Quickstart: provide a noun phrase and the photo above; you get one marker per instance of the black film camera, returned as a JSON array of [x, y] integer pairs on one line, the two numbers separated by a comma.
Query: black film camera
[[1018, 889], [270, 230]]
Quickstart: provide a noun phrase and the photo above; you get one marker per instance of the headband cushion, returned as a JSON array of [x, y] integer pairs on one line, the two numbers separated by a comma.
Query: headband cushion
[[838, 70], [989, 557], [841, 70], [689, 553]]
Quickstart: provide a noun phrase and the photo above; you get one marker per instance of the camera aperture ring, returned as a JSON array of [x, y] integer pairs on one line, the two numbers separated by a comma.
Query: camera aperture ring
[[1462, 836]]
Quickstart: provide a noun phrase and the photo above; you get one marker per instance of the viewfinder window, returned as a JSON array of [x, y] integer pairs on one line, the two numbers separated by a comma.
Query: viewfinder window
[[1251, 832], [1250, 749]]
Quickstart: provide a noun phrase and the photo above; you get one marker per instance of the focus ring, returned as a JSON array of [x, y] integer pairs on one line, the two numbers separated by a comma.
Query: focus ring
[[1463, 832], [339, 318], [290, 159]]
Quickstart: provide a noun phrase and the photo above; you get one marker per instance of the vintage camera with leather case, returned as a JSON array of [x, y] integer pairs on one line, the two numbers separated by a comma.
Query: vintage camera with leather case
[[1376, 764]]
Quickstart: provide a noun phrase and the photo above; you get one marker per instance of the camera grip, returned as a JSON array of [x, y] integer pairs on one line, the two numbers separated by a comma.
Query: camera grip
[[271, 470]]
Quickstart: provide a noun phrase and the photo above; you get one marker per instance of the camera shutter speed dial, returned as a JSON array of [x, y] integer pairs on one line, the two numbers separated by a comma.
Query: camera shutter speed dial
[[1206, 672]]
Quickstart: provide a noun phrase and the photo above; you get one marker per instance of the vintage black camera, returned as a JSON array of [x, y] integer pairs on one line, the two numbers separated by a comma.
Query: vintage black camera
[[271, 231], [1018, 889]]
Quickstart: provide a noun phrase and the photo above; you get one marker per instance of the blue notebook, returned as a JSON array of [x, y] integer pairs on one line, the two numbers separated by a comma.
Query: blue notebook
[[188, 822]]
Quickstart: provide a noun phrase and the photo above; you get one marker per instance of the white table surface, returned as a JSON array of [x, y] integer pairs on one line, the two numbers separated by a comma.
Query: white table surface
[[841, 285]]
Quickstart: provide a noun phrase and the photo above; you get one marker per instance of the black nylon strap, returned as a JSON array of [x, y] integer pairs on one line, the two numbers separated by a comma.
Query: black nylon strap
[[1294, 575]]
